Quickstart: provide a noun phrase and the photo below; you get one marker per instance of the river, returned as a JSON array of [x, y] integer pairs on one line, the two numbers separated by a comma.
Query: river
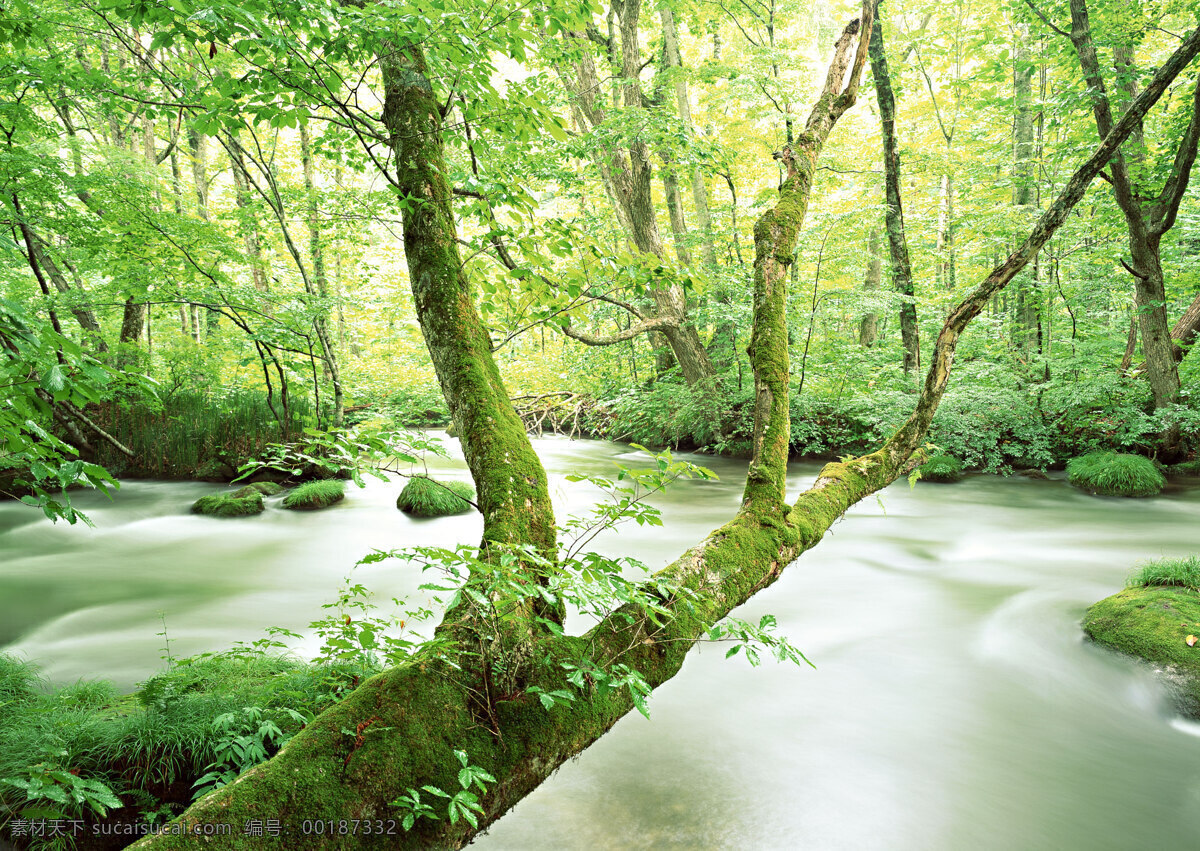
[[955, 703]]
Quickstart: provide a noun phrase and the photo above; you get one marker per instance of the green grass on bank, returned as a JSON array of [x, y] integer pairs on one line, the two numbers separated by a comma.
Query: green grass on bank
[[1183, 572]]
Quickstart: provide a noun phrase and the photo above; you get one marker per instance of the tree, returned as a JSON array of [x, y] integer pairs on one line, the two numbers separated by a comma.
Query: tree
[[400, 730], [1148, 214]]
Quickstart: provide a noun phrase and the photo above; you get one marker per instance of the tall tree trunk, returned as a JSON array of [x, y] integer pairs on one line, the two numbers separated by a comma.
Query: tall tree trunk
[[316, 251], [902, 280], [673, 62], [198, 147], [1147, 217], [868, 326], [1025, 317], [249, 222], [627, 178]]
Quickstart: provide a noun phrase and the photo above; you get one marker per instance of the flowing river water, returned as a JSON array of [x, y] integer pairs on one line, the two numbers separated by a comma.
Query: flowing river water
[[955, 703]]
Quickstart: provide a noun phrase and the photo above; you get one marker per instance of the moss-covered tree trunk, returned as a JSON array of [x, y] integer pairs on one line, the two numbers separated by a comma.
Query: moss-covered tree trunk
[[399, 729], [902, 280]]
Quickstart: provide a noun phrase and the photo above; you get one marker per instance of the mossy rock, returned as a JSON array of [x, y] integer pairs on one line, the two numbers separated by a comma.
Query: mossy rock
[[265, 488], [1115, 474], [313, 495], [424, 497], [1153, 623], [229, 505], [941, 468]]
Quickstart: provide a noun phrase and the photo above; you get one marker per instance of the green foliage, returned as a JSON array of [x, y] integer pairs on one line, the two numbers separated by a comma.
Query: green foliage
[[212, 713], [353, 633], [341, 453], [18, 681], [426, 497], [673, 415], [1115, 474], [229, 505], [188, 434], [1187, 468], [54, 792], [462, 804], [941, 468], [314, 495], [41, 369], [1184, 572], [241, 740]]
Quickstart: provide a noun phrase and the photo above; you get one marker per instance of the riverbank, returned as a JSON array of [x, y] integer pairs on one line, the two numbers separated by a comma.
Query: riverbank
[[943, 621]]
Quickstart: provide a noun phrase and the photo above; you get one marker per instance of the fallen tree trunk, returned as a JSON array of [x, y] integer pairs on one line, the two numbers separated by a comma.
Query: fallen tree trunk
[[332, 784]]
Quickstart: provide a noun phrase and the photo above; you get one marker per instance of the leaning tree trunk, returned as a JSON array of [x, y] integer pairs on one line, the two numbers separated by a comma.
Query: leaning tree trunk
[[337, 768]]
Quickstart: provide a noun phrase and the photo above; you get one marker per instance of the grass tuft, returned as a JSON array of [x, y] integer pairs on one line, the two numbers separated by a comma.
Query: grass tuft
[[941, 468], [314, 495], [424, 497], [1184, 572], [229, 505], [1115, 474]]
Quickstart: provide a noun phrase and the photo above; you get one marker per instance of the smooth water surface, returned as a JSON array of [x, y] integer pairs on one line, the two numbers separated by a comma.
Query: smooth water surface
[[954, 705]]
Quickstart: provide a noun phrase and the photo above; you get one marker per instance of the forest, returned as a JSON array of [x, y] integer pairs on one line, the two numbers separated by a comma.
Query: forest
[[559, 330]]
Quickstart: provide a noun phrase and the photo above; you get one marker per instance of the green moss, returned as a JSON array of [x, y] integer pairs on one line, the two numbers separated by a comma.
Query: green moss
[[314, 495], [941, 468], [1183, 572], [229, 505], [1115, 474], [265, 488], [424, 497], [1153, 623]]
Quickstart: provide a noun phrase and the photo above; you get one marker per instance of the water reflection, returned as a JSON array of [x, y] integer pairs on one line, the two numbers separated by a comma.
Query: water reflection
[[954, 705]]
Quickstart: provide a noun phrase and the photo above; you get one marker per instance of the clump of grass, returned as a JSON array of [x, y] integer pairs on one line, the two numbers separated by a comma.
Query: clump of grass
[[1115, 474], [424, 497], [18, 681], [313, 495], [229, 505], [941, 468], [1184, 572]]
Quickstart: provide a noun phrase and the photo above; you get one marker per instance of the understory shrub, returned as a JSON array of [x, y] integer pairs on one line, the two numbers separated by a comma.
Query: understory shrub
[[424, 497], [319, 494], [941, 468], [1184, 572], [85, 751], [239, 504], [186, 435], [1115, 474], [675, 416]]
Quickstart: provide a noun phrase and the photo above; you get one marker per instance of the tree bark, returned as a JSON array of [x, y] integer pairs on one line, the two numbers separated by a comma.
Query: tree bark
[[421, 709], [627, 178], [1147, 216], [868, 326], [902, 280]]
